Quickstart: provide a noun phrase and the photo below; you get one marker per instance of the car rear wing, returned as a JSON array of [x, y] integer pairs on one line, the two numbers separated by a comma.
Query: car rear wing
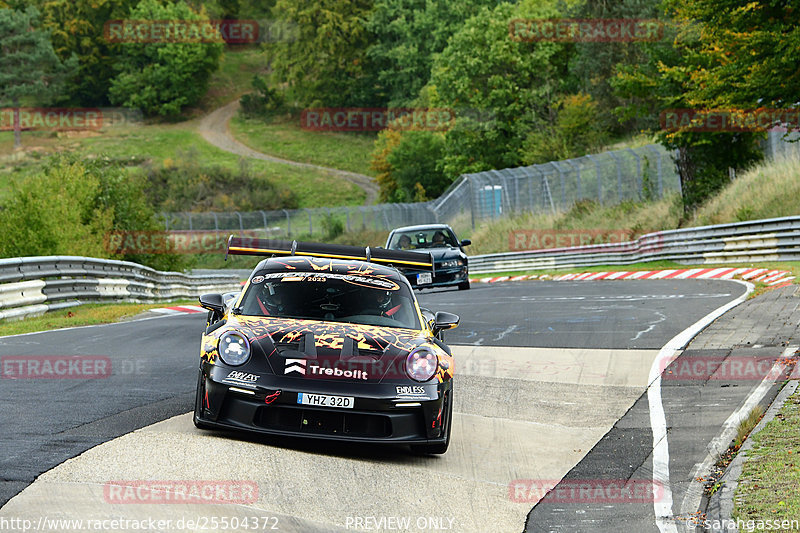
[[270, 247]]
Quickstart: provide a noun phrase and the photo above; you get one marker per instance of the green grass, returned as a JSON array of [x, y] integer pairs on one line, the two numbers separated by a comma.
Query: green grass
[[83, 315], [284, 138], [160, 143], [234, 77], [770, 476], [765, 191]]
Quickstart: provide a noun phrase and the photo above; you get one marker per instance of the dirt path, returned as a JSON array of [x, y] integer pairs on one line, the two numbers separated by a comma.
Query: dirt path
[[214, 129]]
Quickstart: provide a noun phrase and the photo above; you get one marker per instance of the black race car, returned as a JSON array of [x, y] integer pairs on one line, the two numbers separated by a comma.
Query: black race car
[[327, 341], [451, 263]]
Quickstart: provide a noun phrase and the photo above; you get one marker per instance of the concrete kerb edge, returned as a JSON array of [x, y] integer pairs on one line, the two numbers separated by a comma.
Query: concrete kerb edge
[[719, 507]]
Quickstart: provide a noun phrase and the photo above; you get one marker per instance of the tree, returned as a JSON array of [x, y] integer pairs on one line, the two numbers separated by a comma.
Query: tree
[[407, 36], [751, 51], [77, 28], [324, 65], [668, 80], [163, 77], [594, 64], [30, 71], [511, 82], [576, 130]]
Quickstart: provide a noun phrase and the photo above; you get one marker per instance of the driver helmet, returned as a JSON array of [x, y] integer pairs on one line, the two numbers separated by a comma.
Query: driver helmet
[[272, 299], [383, 299]]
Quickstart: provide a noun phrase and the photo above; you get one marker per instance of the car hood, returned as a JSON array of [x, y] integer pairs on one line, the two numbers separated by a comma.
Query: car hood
[[353, 352]]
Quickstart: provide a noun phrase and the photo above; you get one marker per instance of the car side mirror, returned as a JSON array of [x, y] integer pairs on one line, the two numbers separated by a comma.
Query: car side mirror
[[466, 242], [213, 302], [445, 320]]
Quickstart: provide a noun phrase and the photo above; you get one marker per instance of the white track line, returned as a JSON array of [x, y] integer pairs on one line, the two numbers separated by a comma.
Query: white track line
[[658, 422], [691, 501]]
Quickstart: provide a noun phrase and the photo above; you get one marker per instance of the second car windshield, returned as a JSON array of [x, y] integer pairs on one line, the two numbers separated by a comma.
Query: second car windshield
[[430, 238], [331, 297]]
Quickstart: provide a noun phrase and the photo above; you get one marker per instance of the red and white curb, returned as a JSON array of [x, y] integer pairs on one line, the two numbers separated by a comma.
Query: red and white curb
[[179, 310], [775, 278]]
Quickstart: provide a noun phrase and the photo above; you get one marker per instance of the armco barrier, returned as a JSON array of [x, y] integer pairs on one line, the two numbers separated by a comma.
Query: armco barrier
[[33, 285], [775, 239]]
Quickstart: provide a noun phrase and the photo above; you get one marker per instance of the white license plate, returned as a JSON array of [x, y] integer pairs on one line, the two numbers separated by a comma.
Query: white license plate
[[323, 400], [424, 278]]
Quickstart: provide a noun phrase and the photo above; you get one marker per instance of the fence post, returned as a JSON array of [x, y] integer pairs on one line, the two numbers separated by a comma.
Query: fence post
[[241, 224], [288, 223], [658, 169], [599, 182], [563, 189], [216, 225], [638, 171], [190, 220], [615, 157], [577, 168], [310, 223]]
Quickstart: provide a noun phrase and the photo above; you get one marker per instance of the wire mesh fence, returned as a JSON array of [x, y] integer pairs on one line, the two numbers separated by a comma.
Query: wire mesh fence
[[640, 173]]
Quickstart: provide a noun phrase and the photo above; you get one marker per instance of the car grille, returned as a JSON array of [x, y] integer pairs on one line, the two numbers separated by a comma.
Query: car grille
[[323, 422]]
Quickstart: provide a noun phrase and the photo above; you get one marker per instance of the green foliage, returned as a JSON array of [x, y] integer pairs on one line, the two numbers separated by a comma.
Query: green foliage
[[483, 69], [55, 213], [163, 78], [264, 102], [77, 29], [30, 71], [324, 65], [185, 185], [750, 49], [414, 167], [595, 64], [407, 36], [668, 80], [332, 227], [70, 208], [576, 131]]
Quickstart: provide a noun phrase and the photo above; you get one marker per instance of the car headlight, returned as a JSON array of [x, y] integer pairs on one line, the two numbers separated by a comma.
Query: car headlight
[[421, 364], [450, 264], [234, 348]]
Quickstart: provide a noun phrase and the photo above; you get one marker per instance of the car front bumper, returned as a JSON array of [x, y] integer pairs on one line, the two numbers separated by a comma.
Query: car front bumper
[[376, 416]]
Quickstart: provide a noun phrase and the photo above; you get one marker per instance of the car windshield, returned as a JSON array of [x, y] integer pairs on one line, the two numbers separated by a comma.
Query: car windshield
[[357, 299], [424, 238]]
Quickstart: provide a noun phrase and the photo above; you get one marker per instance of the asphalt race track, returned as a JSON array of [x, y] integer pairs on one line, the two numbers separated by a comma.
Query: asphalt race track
[[544, 372]]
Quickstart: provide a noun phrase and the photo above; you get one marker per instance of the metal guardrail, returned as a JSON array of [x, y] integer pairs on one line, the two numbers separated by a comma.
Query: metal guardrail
[[775, 239], [33, 285]]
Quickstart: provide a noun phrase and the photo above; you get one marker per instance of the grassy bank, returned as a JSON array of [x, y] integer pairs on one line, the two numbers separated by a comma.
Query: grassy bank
[[766, 191], [283, 137], [161, 144], [82, 315], [770, 476]]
